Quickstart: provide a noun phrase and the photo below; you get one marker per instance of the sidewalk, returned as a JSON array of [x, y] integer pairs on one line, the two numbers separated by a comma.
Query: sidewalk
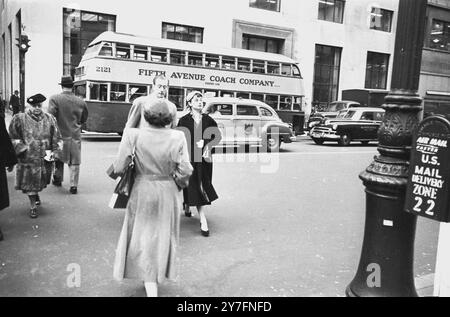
[[424, 285]]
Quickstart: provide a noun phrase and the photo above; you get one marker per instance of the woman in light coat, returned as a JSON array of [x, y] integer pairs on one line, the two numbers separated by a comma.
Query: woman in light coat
[[148, 242], [34, 134]]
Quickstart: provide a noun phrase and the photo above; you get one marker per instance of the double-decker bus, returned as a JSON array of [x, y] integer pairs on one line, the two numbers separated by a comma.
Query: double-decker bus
[[117, 68]]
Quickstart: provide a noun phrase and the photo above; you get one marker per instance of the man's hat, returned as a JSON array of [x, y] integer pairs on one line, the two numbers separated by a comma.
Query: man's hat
[[38, 98], [192, 94], [66, 81]]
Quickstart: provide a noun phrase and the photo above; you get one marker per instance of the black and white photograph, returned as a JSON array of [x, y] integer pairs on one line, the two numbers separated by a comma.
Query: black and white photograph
[[243, 150]]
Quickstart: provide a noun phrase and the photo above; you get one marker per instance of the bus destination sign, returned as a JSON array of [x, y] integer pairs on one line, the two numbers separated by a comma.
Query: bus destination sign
[[427, 192]]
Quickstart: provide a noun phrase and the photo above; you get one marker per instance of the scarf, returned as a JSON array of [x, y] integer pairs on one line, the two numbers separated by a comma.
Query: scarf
[[36, 113]]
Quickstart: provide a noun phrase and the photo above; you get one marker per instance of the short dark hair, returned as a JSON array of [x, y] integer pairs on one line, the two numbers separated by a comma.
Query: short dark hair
[[157, 113], [157, 120]]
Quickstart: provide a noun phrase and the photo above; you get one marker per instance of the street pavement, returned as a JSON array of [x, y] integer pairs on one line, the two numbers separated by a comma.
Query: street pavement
[[285, 225]]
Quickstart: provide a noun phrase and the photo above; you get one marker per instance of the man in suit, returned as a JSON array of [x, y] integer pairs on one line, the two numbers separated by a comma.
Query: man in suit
[[160, 90], [14, 102], [70, 112]]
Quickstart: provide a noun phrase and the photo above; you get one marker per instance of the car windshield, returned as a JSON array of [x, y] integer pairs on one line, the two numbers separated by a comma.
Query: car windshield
[[349, 114], [341, 114], [335, 106]]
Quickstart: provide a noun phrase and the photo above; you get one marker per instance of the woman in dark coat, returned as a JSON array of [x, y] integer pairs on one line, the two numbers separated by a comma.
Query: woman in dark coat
[[202, 134], [7, 160]]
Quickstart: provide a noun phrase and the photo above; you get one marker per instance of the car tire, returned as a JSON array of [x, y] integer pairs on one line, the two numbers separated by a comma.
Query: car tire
[[345, 140], [273, 144], [318, 141]]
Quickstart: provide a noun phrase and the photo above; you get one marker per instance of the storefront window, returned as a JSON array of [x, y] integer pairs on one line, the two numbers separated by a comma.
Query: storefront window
[[381, 19], [326, 74], [182, 32], [440, 35], [376, 70], [272, 5], [79, 29], [331, 10]]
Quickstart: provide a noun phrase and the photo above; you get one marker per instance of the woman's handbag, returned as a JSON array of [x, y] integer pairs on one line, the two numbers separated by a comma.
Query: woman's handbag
[[123, 188]]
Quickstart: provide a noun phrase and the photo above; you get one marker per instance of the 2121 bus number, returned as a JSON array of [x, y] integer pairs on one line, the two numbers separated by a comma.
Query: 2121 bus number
[[102, 69]]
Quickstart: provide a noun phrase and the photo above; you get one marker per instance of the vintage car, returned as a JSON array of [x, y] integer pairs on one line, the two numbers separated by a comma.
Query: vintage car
[[330, 112], [246, 122], [354, 124]]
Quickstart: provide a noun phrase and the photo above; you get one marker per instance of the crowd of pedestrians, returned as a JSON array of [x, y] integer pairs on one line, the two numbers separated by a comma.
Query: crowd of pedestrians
[[173, 169]]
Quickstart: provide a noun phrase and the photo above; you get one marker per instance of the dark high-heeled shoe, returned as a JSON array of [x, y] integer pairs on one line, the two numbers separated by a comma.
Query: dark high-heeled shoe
[[38, 200], [187, 211], [205, 233], [33, 213]]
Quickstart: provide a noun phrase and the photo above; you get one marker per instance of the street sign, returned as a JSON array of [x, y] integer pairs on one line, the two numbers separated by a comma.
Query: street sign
[[427, 192]]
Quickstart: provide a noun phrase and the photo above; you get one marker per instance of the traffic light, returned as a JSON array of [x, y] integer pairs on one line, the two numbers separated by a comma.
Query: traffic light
[[23, 43]]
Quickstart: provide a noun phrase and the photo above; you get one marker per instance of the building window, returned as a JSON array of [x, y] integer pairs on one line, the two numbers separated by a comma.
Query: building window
[[331, 10], [376, 70], [440, 35], [182, 32], [326, 74], [381, 19], [262, 44], [272, 5], [79, 29]]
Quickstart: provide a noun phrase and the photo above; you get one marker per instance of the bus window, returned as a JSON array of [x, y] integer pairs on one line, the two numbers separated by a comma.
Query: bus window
[[258, 67], [118, 92], [285, 103], [80, 90], [136, 91], [272, 100], [296, 71], [212, 61], [224, 93], [228, 62], [243, 95], [297, 103], [176, 95], [159, 55], [177, 57], [259, 97], [106, 50], [273, 68], [211, 93], [286, 69], [98, 92], [195, 59], [244, 64], [122, 50], [140, 53]]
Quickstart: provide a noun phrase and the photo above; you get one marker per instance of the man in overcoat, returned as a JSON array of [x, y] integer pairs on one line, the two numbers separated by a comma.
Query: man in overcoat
[[160, 90], [7, 160], [71, 113], [14, 103]]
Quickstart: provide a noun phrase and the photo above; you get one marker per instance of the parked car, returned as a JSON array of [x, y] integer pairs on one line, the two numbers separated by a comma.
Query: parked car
[[330, 111], [247, 122], [355, 124]]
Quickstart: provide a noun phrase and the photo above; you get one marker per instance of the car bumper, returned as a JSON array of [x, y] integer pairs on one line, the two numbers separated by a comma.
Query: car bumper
[[324, 135]]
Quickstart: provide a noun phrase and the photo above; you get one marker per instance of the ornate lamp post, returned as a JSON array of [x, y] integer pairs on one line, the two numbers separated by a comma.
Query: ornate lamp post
[[386, 263]]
